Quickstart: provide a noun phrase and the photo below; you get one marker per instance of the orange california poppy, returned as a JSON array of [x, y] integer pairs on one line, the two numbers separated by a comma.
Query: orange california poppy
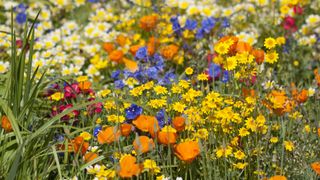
[[153, 43], [5, 124], [302, 96], [129, 167], [85, 85], [90, 156], [248, 92], [147, 124], [148, 23], [116, 56], [278, 177], [167, 137], [79, 144], [243, 47], [179, 123], [121, 40], [108, 135], [316, 167], [143, 144], [108, 47], [258, 55], [133, 49], [169, 51], [319, 132], [130, 65], [125, 129], [187, 151]]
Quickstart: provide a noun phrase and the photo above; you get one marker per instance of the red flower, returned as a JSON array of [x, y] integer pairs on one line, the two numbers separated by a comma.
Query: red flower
[[298, 10]]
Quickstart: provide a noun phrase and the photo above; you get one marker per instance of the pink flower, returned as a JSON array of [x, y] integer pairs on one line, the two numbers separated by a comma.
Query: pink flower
[[71, 91], [290, 24], [298, 9]]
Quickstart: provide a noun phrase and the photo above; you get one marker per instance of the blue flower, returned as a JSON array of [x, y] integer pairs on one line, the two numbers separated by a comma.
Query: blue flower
[[118, 84], [225, 23], [161, 118], [115, 74], [152, 72], [142, 53], [225, 77], [21, 18], [133, 111], [214, 70], [96, 130], [191, 24], [175, 25], [20, 8], [93, 1], [199, 34], [208, 24]]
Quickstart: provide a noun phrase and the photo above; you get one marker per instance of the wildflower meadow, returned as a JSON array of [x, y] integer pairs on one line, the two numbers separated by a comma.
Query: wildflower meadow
[[160, 89]]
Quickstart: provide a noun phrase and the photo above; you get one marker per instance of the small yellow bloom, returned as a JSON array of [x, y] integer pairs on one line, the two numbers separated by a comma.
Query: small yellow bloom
[[289, 146], [57, 96], [239, 155], [202, 77], [189, 71], [270, 43], [86, 136], [82, 78], [274, 139]]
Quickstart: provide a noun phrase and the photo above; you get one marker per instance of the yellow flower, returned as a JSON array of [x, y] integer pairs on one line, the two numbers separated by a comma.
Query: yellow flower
[[231, 63], [221, 48], [86, 136], [151, 165], [157, 103], [98, 121], [239, 155], [281, 40], [105, 92], [82, 78], [202, 77], [57, 96], [224, 151], [243, 132], [270, 43], [274, 139], [240, 165], [288, 145], [179, 107], [189, 71], [272, 57], [160, 90]]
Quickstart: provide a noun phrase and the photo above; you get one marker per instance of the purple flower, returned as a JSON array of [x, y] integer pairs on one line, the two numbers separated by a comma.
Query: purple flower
[[191, 24], [142, 53], [21, 18]]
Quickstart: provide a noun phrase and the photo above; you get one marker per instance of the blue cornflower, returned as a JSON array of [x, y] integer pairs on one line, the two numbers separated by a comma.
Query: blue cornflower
[[96, 130], [175, 24], [133, 111], [200, 33], [142, 53], [191, 24], [208, 24], [152, 72], [21, 18]]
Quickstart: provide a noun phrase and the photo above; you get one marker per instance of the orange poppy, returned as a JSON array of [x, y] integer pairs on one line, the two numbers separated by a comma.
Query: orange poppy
[[121, 40], [187, 151], [243, 47], [5, 124], [147, 124], [278, 177], [125, 129], [153, 43], [319, 132], [167, 137], [90, 156], [302, 96], [148, 23], [116, 56], [108, 135], [316, 167], [129, 167], [85, 85], [248, 92], [143, 144], [279, 103], [80, 145], [131, 65], [258, 55], [169, 51], [179, 123], [133, 49], [108, 47]]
